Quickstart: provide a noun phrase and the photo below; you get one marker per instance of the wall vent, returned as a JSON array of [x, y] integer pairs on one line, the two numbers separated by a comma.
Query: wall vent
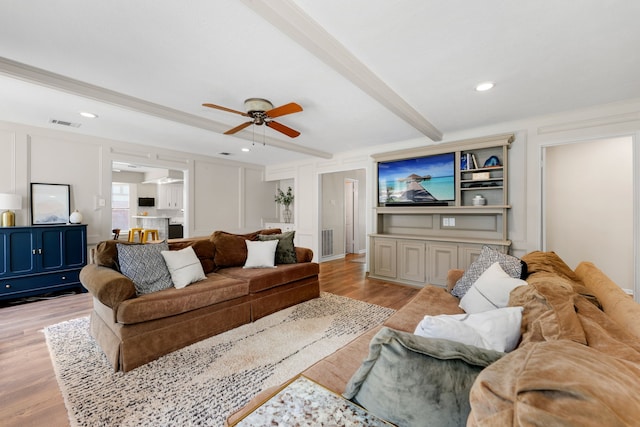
[[327, 242], [64, 123]]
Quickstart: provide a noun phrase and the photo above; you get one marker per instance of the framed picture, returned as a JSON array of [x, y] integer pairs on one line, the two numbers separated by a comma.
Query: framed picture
[[49, 203]]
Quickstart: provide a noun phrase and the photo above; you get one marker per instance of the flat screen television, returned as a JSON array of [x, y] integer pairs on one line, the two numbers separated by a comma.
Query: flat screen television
[[419, 181]]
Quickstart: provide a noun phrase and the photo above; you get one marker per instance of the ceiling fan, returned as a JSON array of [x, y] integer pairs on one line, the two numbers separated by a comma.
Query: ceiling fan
[[262, 112]]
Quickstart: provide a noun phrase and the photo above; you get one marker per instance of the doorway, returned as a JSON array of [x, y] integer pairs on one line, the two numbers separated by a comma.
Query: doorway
[[148, 195], [588, 205], [342, 210]]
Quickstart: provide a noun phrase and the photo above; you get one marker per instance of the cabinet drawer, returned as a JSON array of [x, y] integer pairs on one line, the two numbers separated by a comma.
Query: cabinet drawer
[[40, 283]]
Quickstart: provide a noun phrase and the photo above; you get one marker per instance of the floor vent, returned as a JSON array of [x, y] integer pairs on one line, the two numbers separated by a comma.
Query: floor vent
[[64, 123], [327, 242]]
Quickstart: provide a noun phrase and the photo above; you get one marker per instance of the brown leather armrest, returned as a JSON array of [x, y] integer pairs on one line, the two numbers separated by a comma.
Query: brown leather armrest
[[109, 286], [304, 254]]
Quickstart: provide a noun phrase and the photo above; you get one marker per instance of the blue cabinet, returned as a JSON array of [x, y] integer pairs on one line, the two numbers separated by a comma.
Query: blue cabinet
[[41, 259]]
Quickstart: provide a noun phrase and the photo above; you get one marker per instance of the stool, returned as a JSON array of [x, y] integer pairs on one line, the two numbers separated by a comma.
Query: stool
[[149, 232], [133, 232]]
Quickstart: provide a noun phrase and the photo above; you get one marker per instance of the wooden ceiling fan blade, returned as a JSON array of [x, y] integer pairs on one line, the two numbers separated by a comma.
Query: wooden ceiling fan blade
[[229, 110], [238, 128], [289, 108], [282, 128]]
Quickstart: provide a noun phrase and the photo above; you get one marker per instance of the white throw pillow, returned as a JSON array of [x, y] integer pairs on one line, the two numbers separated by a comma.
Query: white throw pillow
[[490, 291], [494, 330], [261, 254], [184, 267]]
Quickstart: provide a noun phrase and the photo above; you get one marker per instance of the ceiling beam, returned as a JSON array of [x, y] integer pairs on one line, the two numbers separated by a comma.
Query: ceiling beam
[[300, 27], [62, 83]]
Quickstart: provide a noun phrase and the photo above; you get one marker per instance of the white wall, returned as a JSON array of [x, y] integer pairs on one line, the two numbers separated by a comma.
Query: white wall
[[222, 194], [531, 135]]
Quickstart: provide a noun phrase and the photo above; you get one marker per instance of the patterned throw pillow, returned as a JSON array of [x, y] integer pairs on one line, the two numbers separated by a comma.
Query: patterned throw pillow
[[145, 266], [510, 264], [286, 250]]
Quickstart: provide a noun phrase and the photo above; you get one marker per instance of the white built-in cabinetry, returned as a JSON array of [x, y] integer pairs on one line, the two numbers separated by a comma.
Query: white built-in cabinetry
[[417, 245], [170, 196], [284, 226]]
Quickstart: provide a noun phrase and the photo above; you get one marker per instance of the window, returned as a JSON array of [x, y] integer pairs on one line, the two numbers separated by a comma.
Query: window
[[120, 206]]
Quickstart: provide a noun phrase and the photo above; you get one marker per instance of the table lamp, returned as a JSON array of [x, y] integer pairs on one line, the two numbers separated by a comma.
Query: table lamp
[[9, 202]]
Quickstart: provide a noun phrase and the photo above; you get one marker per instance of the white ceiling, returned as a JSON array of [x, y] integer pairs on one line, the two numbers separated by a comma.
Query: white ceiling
[[366, 72]]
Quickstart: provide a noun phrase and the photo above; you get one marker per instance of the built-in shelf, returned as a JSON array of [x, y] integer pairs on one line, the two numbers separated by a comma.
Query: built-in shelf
[[417, 245]]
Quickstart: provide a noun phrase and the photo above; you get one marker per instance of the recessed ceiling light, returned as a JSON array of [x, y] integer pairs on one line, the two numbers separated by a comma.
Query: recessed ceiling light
[[485, 86], [246, 150], [88, 115]]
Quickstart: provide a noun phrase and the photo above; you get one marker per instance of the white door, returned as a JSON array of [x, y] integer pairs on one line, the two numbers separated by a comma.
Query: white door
[[588, 205], [350, 215]]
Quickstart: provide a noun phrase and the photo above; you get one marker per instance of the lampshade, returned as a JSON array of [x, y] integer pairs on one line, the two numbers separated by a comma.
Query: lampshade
[[10, 201]]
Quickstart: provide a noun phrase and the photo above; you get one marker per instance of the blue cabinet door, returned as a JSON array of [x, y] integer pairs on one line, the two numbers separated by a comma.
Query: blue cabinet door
[[21, 251], [74, 247], [50, 248]]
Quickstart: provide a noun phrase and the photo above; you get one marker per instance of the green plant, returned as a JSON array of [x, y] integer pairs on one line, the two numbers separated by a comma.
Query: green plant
[[284, 199]]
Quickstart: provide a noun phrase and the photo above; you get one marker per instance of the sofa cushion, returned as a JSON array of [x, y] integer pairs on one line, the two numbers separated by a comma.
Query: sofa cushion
[[497, 329], [262, 279], [145, 266], [431, 300], [261, 254], [542, 265], [558, 383], [549, 262], [170, 302], [490, 291], [286, 251], [184, 266], [549, 310], [231, 249], [619, 306], [513, 266], [387, 383], [106, 253], [202, 246]]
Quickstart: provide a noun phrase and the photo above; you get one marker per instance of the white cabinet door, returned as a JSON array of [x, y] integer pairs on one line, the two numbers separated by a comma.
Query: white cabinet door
[[170, 196], [384, 252], [442, 258], [411, 261], [176, 196], [164, 197]]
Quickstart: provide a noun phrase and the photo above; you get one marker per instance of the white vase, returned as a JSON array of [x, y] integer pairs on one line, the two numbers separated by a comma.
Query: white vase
[[75, 217]]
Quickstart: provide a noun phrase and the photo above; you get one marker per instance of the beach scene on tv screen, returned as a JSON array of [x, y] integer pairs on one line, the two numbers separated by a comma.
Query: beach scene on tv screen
[[417, 180]]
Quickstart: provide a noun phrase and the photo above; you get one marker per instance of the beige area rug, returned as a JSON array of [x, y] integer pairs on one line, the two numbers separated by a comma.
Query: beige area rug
[[204, 383]]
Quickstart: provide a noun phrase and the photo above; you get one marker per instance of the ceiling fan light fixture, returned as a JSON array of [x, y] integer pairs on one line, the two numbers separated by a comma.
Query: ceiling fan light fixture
[[257, 104], [261, 112], [485, 86]]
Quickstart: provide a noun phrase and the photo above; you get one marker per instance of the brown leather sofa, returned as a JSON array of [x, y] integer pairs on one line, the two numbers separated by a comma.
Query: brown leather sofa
[[551, 378], [134, 330]]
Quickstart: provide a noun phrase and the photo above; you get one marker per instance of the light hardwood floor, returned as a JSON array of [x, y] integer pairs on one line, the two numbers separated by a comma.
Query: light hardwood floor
[[29, 394]]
